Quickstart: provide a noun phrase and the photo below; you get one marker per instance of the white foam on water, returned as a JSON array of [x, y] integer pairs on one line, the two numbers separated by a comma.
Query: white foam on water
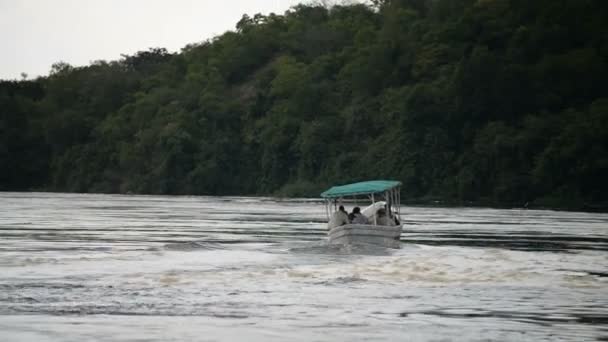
[[122, 268]]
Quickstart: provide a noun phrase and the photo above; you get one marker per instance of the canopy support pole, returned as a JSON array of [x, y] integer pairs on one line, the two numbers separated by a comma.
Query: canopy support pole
[[389, 202], [399, 202], [375, 216], [395, 203]]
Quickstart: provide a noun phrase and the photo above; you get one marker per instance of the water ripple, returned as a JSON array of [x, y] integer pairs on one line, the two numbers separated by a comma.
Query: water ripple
[[178, 268]]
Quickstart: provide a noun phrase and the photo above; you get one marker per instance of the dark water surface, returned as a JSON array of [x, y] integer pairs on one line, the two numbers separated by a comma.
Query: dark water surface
[[160, 268]]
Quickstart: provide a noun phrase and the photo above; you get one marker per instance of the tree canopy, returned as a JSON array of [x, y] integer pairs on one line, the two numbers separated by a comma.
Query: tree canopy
[[498, 102]]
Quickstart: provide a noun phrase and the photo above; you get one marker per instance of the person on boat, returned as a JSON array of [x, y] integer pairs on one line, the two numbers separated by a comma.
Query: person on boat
[[382, 219], [395, 219], [338, 218], [341, 208], [357, 217]]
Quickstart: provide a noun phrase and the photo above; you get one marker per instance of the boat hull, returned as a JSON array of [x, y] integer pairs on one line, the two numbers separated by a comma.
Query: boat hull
[[386, 236]]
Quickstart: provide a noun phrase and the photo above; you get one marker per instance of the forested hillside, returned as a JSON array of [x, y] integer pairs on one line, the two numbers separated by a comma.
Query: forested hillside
[[500, 102]]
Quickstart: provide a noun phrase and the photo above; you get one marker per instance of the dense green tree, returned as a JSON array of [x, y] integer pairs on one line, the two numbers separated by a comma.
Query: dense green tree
[[496, 102]]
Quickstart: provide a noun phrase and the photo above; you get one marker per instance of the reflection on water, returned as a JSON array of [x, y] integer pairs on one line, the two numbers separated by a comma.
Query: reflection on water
[[109, 267]]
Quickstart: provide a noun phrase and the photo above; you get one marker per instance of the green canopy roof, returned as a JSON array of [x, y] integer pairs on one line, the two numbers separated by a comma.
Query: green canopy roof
[[361, 188]]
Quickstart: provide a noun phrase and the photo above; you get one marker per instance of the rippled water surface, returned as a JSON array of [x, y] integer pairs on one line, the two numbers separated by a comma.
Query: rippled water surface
[[155, 268]]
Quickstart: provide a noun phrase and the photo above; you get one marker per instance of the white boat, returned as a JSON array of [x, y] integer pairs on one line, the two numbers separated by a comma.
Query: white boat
[[384, 227]]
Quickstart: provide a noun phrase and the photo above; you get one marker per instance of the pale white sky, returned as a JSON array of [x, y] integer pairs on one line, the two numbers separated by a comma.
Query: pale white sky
[[37, 33]]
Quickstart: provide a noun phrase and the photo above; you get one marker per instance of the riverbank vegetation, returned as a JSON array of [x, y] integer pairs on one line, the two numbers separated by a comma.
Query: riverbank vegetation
[[501, 102]]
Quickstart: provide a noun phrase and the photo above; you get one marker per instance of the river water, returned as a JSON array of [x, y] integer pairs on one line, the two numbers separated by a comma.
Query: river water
[[162, 268]]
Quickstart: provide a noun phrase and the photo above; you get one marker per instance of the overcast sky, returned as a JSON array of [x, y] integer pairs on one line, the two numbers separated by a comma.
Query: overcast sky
[[37, 33]]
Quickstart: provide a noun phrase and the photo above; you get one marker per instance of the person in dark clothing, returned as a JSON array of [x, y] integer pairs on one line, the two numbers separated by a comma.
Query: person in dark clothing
[[357, 217]]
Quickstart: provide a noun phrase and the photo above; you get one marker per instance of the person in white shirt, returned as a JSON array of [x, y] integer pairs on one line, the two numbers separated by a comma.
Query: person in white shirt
[[338, 218], [383, 219]]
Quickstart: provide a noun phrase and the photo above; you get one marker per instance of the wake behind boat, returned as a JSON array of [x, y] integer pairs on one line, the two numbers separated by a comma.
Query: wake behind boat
[[378, 224]]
